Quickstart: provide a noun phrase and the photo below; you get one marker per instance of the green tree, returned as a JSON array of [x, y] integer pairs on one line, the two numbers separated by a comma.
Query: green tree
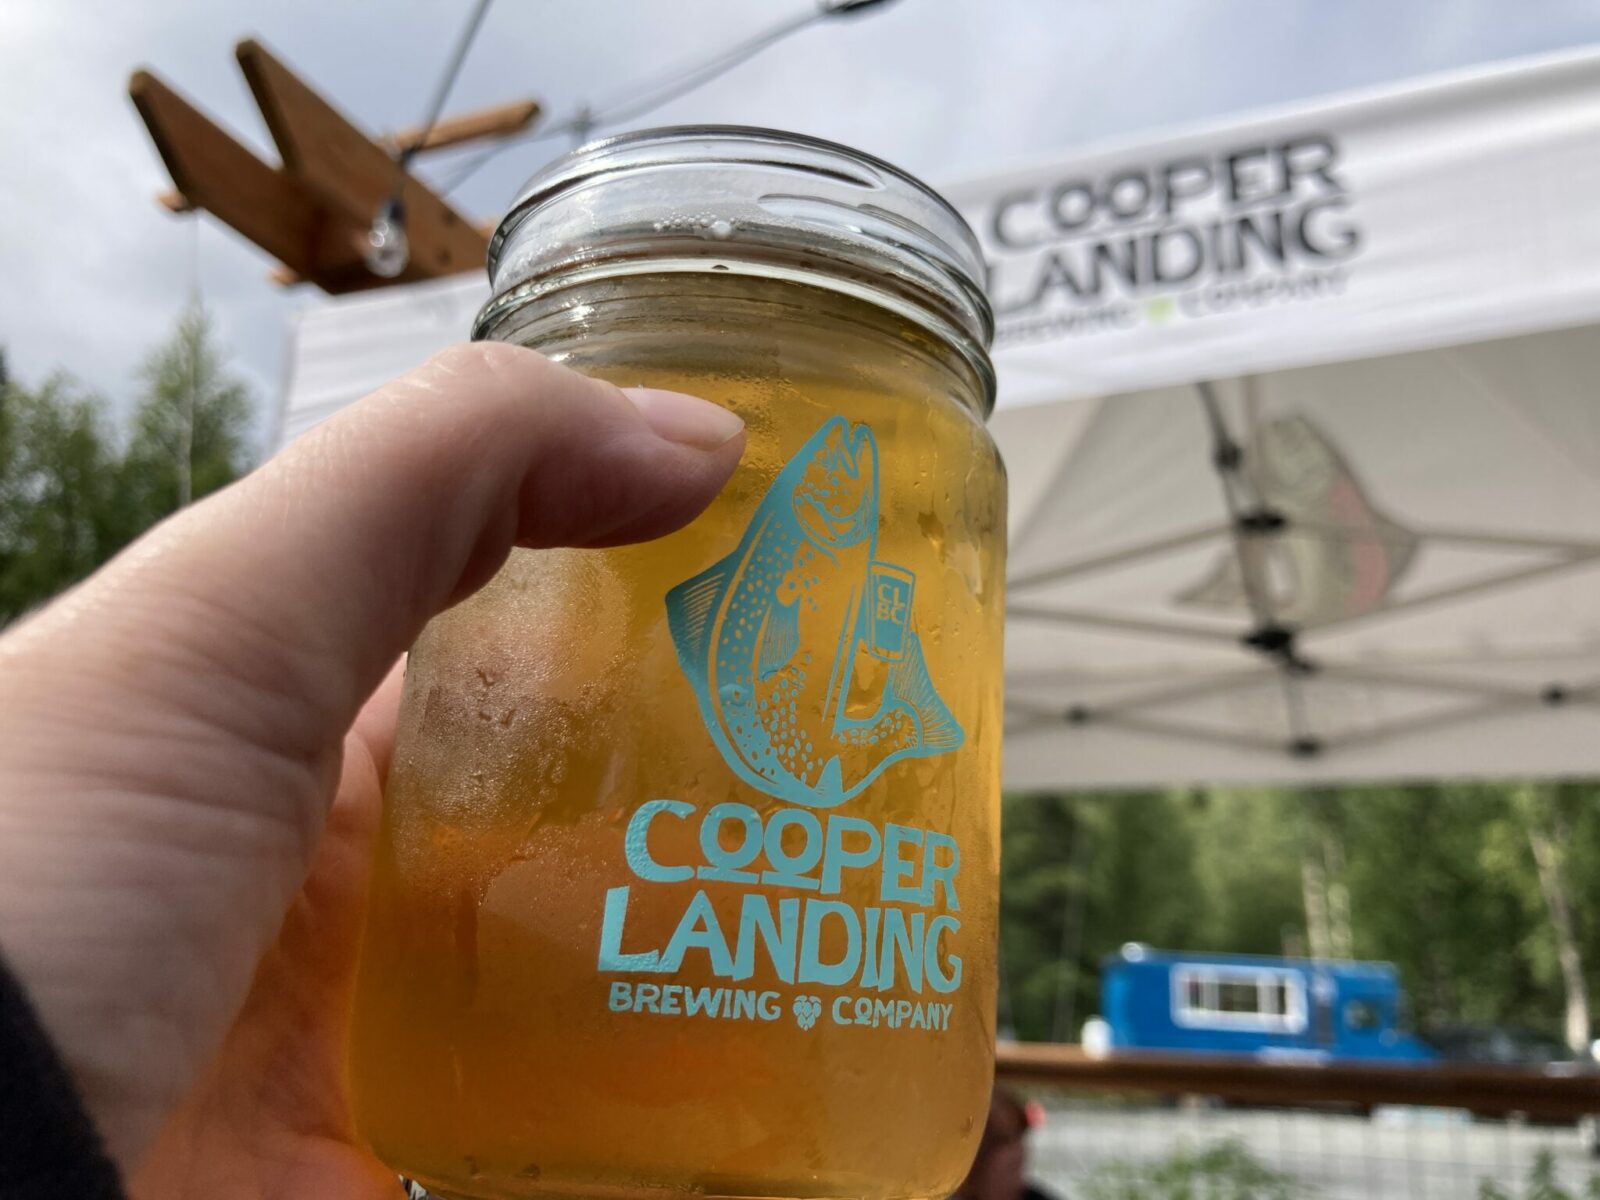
[[1248, 849], [1043, 876], [56, 492], [190, 427], [1546, 819], [1537, 850], [1082, 875], [1444, 880], [69, 500], [1422, 898], [1323, 880]]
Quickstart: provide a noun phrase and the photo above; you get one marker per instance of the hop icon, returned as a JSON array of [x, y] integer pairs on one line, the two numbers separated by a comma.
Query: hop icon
[[806, 1011]]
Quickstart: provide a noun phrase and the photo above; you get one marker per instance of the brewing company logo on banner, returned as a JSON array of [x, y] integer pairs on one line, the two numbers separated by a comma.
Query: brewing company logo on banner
[[1179, 238]]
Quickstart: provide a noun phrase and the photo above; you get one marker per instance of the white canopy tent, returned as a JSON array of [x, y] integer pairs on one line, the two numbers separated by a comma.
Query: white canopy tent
[[1301, 421]]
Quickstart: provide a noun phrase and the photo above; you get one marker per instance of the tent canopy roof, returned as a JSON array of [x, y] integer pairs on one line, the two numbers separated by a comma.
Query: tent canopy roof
[[1299, 419]]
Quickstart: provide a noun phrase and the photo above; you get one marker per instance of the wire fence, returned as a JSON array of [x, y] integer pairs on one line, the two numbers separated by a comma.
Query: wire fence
[[1111, 1148], [1159, 1131]]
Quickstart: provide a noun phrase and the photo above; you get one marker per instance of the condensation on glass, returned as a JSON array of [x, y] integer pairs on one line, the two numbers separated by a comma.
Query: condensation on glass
[[688, 873]]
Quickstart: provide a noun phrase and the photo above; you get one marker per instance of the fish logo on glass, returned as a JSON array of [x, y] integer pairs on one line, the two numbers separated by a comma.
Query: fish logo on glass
[[800, 646]]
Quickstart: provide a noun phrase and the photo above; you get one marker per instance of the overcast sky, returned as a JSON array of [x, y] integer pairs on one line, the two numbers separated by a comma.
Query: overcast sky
[[92, 273]]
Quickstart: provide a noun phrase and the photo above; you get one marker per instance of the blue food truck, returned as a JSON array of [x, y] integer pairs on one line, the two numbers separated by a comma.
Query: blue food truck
[[1290, 1009]]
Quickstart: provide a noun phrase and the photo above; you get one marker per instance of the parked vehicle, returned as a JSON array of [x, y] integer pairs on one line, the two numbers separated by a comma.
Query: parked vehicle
[[1503, 1045], [1290, 1009]]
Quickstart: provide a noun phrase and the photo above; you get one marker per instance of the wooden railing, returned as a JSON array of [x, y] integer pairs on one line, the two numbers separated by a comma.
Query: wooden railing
[[1486, 1090]]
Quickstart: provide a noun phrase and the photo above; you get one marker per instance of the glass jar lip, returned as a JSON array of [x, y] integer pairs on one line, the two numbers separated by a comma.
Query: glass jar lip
[[580, 163], [773, 199]]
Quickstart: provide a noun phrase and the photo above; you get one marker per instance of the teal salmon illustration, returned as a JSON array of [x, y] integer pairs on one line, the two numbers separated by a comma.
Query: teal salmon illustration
[[769, 637]]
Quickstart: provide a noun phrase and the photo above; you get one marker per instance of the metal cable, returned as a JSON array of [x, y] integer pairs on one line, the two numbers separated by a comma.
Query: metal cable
[[446, 82], [648, 96], [388, 252]]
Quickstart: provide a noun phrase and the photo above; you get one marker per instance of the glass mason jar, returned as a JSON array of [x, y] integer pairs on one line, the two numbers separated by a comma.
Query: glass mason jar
[[687, 880]]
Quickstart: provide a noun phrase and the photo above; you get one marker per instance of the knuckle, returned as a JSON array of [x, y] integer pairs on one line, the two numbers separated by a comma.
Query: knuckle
[[499, 356], [459, 357]]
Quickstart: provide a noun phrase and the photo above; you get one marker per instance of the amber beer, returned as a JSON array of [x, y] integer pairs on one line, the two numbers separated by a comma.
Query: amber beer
[[688, 871]]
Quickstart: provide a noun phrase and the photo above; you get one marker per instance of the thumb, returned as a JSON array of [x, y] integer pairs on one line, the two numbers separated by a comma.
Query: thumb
[[173, 725], [320, 568], [411, 499]]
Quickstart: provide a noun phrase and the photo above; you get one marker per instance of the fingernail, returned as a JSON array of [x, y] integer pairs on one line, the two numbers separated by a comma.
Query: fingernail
[[686, 420]]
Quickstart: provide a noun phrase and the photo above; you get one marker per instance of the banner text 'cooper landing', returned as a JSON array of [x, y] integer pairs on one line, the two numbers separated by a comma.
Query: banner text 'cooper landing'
[[1158, 227]]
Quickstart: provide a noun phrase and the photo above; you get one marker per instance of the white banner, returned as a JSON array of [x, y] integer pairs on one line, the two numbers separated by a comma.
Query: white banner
[[1439, 212]]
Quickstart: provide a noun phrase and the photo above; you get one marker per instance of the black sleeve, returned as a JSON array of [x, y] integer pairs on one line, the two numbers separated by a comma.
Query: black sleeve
[[49, 1149]]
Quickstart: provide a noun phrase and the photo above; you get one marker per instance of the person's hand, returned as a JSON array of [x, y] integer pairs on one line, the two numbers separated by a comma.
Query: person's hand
[[175, 729]]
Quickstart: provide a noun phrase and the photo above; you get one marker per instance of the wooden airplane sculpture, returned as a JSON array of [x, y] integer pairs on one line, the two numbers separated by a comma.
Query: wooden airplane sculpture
[[314, 211]]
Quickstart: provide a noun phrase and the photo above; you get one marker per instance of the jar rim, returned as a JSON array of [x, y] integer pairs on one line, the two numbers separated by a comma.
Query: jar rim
[[577, 164], [777, 198]]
